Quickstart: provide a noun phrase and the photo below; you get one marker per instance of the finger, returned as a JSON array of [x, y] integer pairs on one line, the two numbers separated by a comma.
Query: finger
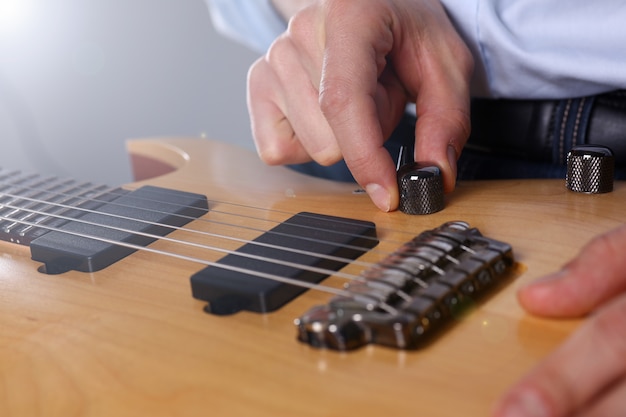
[[587, 364], [443, 104], [610, 403], [354, 58], [301, 101], [287, 124], [439, 138], [596, 275], [391, 98], [273, 134], [306, 30]]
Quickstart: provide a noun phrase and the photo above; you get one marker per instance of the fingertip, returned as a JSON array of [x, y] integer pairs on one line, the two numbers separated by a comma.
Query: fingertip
[[384, 198], [552, 296], [536, 297]]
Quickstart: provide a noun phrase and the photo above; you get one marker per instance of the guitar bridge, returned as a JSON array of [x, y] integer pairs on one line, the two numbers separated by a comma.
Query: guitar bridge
[[403, 301]]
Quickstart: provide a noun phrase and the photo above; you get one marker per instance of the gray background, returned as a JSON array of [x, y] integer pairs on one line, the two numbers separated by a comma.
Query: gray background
[[79, 77]]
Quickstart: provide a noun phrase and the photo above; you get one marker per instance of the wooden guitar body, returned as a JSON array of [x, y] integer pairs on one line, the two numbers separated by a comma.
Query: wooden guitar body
[[130, 340]]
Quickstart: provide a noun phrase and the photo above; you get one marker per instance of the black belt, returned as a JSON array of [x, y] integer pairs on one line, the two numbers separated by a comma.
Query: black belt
[[545, 130], [540, 131]]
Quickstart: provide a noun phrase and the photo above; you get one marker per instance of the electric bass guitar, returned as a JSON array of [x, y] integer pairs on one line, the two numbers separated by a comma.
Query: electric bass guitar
[[216, 285]]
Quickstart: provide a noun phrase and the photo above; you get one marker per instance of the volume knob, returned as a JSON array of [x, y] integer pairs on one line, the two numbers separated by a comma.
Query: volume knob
[[421, 188], [590, 169]]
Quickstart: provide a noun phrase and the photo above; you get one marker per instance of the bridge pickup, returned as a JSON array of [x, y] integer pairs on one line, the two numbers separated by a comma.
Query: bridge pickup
[[95, 240], [306, 239], [413, 293]]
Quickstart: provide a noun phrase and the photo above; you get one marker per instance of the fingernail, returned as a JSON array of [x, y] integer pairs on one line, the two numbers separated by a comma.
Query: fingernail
[[379, 195], [526, 404]]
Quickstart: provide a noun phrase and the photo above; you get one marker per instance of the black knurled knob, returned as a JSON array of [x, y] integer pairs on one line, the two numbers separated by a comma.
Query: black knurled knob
[[421, 188], [590, 169]]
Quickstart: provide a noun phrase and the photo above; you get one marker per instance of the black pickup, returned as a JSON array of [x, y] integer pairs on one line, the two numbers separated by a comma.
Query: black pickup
[[131, 218], [321, 237]]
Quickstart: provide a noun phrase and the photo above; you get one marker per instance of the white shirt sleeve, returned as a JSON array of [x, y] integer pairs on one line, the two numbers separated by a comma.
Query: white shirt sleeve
[[254, 23], [543, 48], [523, 48]]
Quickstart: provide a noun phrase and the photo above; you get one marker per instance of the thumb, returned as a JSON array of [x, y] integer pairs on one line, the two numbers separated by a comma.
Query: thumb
[[443, 117], [439, 138]]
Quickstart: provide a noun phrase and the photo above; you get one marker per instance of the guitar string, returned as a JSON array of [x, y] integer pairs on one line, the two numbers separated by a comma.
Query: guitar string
[[112, 191], [338, 274], [17, 209], [72, 185], [83, 196], [336, 220], [184, 242], [273, 277]]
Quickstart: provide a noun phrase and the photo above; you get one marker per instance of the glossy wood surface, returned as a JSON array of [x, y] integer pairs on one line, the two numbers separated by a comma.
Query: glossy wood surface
[[131, 341]]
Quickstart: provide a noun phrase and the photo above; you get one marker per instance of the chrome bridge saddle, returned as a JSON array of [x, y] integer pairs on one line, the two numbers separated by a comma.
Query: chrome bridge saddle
[[403, 301]]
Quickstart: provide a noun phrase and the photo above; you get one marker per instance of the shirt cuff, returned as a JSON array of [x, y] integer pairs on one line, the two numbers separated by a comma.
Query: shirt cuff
[[254, 23]]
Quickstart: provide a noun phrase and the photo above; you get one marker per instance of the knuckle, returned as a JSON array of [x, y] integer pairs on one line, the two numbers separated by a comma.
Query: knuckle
[[456, 119], [300, 25], [270, 158], [327, 156], [461, 119], [334, 96], [277, 51], [275, 142], [272, 155], [359, 163]]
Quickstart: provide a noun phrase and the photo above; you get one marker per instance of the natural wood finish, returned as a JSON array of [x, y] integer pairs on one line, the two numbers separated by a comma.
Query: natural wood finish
[[131, 341]]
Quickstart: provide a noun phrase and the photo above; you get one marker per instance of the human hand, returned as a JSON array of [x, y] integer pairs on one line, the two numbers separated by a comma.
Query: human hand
[[586, 376], [337, 83]]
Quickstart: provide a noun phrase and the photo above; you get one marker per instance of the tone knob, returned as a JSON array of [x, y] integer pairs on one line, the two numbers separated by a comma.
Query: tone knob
[[590, 169], [421, 188]]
